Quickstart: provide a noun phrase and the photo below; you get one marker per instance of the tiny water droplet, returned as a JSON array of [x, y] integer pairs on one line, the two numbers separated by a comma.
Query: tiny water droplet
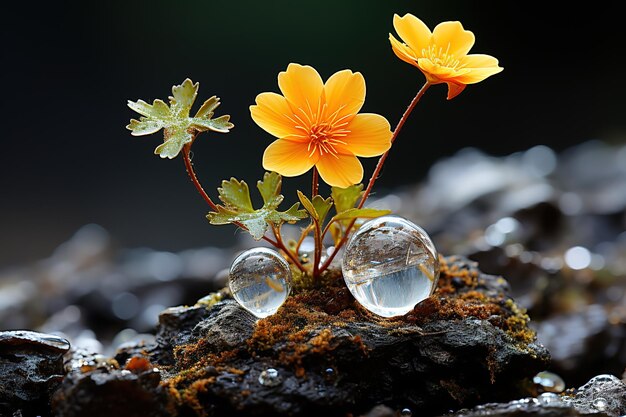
[[390, 265], [600, 404], [406, 412], [260, 281], [549, 381], [549, 398], [270, 378]]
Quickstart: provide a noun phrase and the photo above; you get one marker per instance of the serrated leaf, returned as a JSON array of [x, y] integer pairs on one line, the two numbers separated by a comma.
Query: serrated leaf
[[221, 124], [355, 213], [346, 198], [290, 216], [182, 97], [179, 128], [175, 141], [270, 187], [236, 194], [208, 107], [144, 126], [322, 207], [238, 208]]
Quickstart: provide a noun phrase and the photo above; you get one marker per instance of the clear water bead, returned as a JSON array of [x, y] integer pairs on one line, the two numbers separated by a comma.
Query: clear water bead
[[270, 378], [390, 264], [260, 281]]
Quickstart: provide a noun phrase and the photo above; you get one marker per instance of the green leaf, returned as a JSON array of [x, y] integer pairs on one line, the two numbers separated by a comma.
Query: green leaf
[[270, 187], [308, 205], [174, 142], [208, 107], [322, 207], [355, 213], [346, 198], [238, 208], [182, 98], [235, 194], [179, 128]]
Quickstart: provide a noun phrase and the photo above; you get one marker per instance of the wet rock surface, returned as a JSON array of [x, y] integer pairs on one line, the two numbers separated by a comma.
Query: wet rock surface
[[31, 368], [603, 395], [551, 224], [324, 354]]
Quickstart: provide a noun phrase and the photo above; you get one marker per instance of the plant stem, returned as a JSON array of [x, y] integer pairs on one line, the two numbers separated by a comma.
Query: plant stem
[[314, 183], [205, 196], [281, 245], [194, 178], [376, 172], [396, 131]]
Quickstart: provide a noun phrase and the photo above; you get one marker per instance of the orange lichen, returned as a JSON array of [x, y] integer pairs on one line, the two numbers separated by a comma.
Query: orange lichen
[[302, 329]]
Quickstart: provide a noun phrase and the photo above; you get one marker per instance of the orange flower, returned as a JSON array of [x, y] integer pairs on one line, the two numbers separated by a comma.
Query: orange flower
[[317, 125], [441, 55]]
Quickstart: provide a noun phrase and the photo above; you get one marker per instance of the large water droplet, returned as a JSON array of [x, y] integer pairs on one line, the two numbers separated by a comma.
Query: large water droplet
[[260, 281], [390, 265]]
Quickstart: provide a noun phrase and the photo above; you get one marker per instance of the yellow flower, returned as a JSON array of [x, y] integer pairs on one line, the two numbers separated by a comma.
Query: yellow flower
[[317, 125], [441, 55]]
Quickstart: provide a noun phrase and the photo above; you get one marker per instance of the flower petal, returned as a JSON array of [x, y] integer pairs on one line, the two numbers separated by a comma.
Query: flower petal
[[476, 75], [345, 93], [438, 74], [454, 90], [402, 51], [340, 170], [302, 86], [412, 31], [453, 39], [370, 135], [272, 113], [481, 66], [289, 158]]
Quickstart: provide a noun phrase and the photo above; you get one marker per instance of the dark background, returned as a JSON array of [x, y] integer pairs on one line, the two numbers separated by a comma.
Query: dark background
[[68, 69]]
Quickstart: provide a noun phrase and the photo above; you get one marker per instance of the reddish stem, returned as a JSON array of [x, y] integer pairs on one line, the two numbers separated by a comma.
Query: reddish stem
[[205, 196], [314, 183], [376, 172]]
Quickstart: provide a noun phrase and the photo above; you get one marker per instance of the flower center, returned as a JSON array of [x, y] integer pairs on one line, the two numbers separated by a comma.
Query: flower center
[[441, 57], [323, 131]]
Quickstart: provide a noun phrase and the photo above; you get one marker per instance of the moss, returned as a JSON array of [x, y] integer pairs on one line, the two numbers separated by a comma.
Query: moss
[[293, 335]]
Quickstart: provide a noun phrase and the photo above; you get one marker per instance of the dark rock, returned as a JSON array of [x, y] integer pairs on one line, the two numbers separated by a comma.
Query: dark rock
[[104, 390], [603, 395], [174, 328], [31, 368], [226, 328], [467, 344]]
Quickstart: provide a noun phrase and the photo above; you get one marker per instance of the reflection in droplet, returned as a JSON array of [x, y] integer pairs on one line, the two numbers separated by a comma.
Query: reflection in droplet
[[390, 265], [260, 281], [549, 381], [270, 378]]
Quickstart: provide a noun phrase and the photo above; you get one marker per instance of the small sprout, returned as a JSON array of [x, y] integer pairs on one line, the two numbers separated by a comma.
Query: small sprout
[[179, 129], [318, 127]]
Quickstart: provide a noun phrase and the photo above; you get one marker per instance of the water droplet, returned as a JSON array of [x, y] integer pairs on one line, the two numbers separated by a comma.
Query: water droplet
[[600, 404], [549, 398], [390, 265], [549, 381], [406, 412], [260, 281], [270, 378]]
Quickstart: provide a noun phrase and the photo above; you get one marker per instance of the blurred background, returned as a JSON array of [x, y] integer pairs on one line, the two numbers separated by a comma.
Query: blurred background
[[69, 68], [524, 172]]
